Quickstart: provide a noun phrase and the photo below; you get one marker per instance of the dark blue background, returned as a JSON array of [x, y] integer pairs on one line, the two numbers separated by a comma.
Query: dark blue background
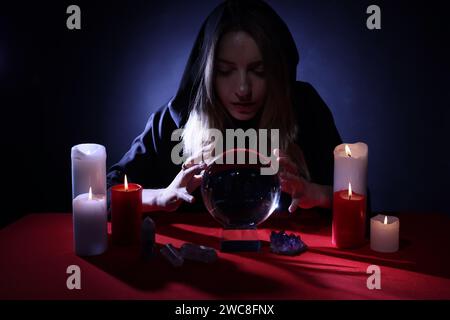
[[388, 88]]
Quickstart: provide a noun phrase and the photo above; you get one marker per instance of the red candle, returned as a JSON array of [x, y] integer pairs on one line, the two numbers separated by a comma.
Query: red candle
[[349, 217], [126, 213]]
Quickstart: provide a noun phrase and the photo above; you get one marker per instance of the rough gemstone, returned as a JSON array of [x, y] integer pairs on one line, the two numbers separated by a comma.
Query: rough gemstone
[[195, 252], [172, 255], [282, 243], [147, 238]]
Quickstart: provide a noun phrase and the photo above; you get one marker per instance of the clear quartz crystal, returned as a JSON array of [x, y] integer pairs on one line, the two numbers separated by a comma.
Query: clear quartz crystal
[[172, 255], [195, 252]]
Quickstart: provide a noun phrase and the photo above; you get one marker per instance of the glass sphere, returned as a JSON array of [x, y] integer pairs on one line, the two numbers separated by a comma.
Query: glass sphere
[[238, 196]]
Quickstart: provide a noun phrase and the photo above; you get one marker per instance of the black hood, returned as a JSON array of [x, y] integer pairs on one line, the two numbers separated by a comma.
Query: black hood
[[234, 12]]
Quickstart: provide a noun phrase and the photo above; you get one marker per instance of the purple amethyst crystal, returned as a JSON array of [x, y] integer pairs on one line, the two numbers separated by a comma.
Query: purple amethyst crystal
[[282, 243]]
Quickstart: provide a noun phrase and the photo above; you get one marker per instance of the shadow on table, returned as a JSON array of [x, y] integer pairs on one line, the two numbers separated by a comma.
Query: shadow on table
[[305, 221], [222, 278], [308, 272], [423, 248], [399, 260], [227, 279], [423, 256]]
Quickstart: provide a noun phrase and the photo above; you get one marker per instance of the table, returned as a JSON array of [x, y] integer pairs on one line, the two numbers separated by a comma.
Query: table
[[36, 251]]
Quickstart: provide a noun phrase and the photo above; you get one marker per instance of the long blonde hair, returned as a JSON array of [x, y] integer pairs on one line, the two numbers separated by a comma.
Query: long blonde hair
[[206, 110]]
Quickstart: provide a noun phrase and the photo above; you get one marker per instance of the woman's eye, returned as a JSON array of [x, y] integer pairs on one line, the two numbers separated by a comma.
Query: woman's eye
[[259, 72], [224, 72]]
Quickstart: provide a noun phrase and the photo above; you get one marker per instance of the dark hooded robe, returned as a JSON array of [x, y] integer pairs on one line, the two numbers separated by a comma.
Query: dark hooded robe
[[148, 161]]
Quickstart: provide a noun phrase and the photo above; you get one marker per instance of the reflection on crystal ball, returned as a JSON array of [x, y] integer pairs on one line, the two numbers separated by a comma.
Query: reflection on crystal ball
[[238, 195]]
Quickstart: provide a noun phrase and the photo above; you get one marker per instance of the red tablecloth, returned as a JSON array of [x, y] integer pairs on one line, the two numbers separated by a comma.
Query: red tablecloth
[[36, 251]]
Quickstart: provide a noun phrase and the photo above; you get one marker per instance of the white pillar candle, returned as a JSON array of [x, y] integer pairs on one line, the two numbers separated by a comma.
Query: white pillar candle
[[384, 233], [88, 169], [89, 212], [90, 224], [350, 166]]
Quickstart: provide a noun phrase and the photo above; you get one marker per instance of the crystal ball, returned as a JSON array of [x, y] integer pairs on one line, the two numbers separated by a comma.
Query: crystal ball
[[236, 194]]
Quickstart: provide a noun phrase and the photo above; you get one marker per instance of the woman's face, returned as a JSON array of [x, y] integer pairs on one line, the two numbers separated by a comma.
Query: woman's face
[[240, 80]]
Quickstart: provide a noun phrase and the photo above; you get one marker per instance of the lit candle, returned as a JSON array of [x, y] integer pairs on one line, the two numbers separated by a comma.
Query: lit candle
[[126, 213], [384, 233], [350, 165], [349, 214], [89, 198], [349, 195], [89, 224], [88, 169]]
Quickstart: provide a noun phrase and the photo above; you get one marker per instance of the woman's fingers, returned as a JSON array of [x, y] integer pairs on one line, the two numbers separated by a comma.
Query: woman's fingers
[[194, 183], [278, 153], [294, 205], [190, 172], [184, 195], [286, 185], [285, 161], [191, 161], [291, 177], [287, 164], [291, 183], [198, 158]]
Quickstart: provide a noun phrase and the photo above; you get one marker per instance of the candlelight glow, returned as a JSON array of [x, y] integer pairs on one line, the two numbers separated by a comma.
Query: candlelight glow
[[385, 219], [348, 152], [90, 193], [349, 190], [126, 183]]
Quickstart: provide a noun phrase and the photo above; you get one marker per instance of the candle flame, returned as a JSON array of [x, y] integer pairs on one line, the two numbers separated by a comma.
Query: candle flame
[[348, 152], [349, 191], [385, 219], [90, 193], [126, 183]]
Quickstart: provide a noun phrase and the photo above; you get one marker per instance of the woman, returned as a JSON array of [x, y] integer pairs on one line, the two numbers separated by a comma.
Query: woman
[[241, 73]]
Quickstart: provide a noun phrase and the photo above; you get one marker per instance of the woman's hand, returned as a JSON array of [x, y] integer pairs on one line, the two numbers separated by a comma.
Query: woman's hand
[[170, 198], [304, 194]]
